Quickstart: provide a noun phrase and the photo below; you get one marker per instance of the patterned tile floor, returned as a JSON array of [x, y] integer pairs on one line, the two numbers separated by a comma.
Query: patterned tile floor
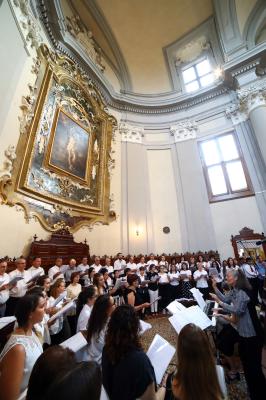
[[161, 325]]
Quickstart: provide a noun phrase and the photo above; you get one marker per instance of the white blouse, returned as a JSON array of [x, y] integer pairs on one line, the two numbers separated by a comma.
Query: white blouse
[[201, 282], [84, 318], [186, 274], [174, 278], [33, 349]]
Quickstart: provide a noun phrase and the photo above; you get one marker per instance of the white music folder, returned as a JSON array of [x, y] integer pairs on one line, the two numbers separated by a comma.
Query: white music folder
[[175, 306], [191, 315], [75, 342], [160, 354]]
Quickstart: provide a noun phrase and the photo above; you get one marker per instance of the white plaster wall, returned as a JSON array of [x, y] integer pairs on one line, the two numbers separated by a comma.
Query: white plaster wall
[[15, 71], [229, 217], [163, 201]]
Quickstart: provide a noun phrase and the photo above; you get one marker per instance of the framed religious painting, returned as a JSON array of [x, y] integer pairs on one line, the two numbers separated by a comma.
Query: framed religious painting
[[62, 166]]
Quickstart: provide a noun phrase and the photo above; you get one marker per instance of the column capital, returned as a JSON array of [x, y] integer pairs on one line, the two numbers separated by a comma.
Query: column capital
[[184, 130], [248, 98], [130, 133]]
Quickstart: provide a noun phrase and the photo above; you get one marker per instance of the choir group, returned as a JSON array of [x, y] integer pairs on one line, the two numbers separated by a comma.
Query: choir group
[[106, 303]]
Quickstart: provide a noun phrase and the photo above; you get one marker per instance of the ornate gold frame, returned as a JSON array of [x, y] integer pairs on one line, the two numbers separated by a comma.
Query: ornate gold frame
[[54, 210]]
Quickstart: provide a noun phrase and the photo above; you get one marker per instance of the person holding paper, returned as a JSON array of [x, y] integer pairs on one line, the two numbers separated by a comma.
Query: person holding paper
[[201, 278], [36, 269], [86, 301], [91, 273], [153, 289], [119, 264], [196, 376], [174, 278], [4, 287], [22, 349], [60, 330], [45, 283], [152, 260], [55, 271], [185, 277], [164, 263], [141, 263], [73, 290], [99, 283], [131, 264], [131, 294], [127, 371], [83, 269], [101, 312], [163, 288], [97, 264], [215, 271], [72, 267], [20, 288], [239, 302]]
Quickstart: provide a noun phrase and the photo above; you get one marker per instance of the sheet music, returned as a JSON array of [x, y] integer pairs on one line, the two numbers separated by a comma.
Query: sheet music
[[34, 277], [192, 314], [198, 297], [75, 343], [58, 299], [160, 354], [6, 321], [175, 306], [144, 326], [15, 280], [62, 311]]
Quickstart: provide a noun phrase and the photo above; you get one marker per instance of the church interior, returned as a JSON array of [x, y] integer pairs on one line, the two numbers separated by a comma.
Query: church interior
[[132, 195]]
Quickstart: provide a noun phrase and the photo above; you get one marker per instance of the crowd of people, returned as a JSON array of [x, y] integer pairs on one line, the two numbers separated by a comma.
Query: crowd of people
[[107, 302]]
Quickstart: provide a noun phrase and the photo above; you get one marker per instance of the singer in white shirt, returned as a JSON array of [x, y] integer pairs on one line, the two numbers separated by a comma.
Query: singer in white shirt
[[20, 288], [201, 278], [119, 264], [36, 269], [4, 287]]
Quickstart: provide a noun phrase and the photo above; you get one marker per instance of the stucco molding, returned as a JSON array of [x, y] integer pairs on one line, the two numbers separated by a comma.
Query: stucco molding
[[130, 133], [184, 130], [248, 99]]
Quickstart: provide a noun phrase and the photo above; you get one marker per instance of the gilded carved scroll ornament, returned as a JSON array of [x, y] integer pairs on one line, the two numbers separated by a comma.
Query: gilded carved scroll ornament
[[64, 156]]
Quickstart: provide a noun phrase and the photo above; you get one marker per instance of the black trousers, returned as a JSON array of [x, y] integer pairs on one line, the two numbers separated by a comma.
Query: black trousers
[[250, 351]]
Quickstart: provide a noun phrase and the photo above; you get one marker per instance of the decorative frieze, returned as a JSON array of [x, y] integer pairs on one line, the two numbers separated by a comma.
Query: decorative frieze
[[129, 133], [184, 130]]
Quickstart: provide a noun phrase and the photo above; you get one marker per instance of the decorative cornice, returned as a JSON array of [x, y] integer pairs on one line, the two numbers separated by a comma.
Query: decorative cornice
[[184, 130], [130, 133]]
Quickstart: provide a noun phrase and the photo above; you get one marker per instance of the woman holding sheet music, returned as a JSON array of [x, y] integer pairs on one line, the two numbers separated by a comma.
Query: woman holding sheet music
[[132, 296], [153, 289], [60, 330], [101, 312], [239, 303], [22, 349], [127, 371]]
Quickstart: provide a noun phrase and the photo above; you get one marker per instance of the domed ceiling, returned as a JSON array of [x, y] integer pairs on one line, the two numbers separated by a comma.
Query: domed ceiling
[[133, 33]]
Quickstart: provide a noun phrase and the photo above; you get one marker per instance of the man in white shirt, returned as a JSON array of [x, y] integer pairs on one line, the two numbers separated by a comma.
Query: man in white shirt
[[4, 287], [119, 264], [20, 288], [251, 274], [36, 270], [97, 264], [131, 264], [72, 267], [82, 268], [55, 271], [141, 263], [152, 260], [108, 265]]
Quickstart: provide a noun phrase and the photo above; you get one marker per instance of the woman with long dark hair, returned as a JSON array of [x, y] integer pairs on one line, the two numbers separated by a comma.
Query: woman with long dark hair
[[22, 349], [101, 312], [132, 296], [98, 282], [86, 301], [196, 375], [238, 302], [127, 371]]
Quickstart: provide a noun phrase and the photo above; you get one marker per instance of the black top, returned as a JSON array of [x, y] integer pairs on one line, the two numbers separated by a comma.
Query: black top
[[152, 277], [138, 298], [129, 379]]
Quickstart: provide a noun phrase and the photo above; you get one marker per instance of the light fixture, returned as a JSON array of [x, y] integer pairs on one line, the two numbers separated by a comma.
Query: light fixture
[[137, 231]]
